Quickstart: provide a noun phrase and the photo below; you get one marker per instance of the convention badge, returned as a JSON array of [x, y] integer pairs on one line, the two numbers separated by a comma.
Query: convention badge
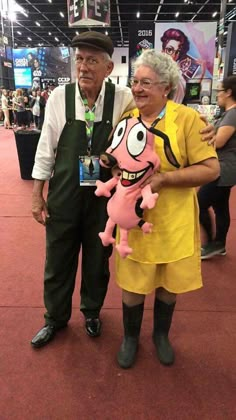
[[89, 170]]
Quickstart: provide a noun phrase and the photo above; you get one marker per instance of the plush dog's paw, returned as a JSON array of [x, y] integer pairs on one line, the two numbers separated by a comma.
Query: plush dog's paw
[[102, 189], [106, 239], [147, 227], [124, 250]]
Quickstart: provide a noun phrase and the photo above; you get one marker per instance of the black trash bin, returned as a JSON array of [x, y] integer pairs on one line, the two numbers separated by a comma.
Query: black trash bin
[[26, 144]]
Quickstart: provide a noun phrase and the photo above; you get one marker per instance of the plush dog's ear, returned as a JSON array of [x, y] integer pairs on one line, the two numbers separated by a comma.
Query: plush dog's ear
[[167, 147]]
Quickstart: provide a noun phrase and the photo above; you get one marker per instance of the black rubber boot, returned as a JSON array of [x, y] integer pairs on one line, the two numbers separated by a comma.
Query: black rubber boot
[[132, 320], [162, 321]]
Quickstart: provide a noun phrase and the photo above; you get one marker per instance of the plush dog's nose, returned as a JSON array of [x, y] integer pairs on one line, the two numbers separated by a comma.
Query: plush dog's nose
[[108, 160]]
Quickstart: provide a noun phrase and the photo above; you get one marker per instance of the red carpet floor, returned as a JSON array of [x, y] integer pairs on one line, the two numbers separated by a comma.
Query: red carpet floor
[[77, 378]]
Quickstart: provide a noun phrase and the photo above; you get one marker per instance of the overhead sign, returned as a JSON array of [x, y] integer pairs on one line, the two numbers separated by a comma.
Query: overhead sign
[[88, 13]]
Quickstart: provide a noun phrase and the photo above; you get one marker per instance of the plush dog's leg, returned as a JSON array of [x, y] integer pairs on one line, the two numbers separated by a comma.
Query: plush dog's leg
[[123, 247], [106, 236]]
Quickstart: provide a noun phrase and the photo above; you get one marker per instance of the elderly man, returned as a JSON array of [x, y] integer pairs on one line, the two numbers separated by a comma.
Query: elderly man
[[78, 121]]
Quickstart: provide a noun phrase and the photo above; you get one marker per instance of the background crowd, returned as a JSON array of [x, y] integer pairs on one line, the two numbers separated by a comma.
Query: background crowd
[[23, 108]]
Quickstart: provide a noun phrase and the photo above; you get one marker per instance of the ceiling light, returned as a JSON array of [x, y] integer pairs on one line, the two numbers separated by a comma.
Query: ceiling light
[[25, 14], [56, 39], [214, 14], [19, 33], [62, 14], [138, 15], [49, 1], [77, 33], [49, 33], [37, 23], [106, 32], [28, 37], [12, 16], [176, 14]]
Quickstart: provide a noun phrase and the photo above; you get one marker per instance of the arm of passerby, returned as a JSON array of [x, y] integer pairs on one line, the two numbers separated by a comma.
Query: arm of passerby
[[39, 207]]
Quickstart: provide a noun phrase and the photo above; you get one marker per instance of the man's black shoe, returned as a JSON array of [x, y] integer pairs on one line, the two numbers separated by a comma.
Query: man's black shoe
[[44, 336], [93, 327]]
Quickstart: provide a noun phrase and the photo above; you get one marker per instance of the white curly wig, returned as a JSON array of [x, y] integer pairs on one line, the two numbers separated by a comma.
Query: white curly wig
[[163, 65]]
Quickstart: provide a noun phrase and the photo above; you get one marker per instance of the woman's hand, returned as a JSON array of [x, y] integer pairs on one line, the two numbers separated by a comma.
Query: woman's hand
[[156, 182]]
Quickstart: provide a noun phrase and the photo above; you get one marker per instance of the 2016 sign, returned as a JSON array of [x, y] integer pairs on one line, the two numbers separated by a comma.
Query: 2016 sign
[[144, 32]]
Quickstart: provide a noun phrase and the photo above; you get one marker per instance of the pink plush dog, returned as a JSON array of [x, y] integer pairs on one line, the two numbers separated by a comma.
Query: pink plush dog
[[132, 150]]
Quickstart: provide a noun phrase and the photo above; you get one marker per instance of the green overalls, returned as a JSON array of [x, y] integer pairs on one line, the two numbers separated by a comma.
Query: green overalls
[[76, 218]]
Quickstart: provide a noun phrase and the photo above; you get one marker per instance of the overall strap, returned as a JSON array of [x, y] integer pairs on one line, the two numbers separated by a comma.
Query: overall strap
[[70, 101], [109, 101]]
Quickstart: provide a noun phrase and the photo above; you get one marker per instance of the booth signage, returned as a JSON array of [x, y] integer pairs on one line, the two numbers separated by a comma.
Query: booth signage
[[141, 37], [88, 13]]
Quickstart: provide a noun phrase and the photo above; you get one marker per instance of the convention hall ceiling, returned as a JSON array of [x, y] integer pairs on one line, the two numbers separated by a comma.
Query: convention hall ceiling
[[52, 28]]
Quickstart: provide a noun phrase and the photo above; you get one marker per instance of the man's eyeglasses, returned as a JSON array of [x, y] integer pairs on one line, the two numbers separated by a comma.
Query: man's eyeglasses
[[89, 61], [220, 90], [144, 83]]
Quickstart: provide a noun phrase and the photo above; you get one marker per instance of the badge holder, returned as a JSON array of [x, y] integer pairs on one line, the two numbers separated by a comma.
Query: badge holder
[[89, 170]]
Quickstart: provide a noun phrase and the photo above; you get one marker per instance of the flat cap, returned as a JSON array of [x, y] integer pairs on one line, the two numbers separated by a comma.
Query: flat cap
[[95, 40]]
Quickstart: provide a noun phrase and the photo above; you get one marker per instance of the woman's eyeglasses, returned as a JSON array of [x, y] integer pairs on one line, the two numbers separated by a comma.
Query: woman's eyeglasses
[[144, 83]]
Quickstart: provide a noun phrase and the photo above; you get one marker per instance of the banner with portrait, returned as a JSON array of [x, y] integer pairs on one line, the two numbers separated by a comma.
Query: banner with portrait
[[34, 65], [192, 46], [141, 37]]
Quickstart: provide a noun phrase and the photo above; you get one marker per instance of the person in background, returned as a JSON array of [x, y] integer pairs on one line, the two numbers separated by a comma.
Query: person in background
[[37, 105], [5, 108], [10, 105], [216, 194], [21, 115], [14, 108], [167, 260], [79, 118], [45, 93]]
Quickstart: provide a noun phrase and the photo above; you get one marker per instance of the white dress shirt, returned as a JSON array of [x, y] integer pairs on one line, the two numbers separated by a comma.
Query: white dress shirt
[[55, 120]]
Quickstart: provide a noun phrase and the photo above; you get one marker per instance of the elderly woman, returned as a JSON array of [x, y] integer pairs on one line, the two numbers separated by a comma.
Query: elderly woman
[[168, 259]]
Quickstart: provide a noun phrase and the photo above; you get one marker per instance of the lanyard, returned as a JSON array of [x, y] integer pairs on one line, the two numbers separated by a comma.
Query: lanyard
[[159, 117], [89, 121]]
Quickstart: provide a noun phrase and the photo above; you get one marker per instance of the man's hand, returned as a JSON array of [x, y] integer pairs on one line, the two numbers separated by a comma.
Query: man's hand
[[208, 132], [39, 209]]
